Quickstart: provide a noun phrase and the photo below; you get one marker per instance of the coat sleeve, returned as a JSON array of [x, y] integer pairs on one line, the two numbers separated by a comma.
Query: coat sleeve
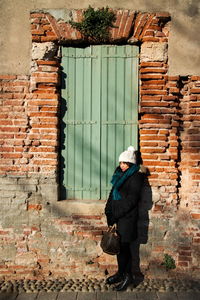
[[122, 207], [108, 211]]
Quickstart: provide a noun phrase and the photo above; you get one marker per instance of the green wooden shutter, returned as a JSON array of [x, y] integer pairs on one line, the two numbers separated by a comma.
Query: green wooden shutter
[[101, 117], [119, 110]]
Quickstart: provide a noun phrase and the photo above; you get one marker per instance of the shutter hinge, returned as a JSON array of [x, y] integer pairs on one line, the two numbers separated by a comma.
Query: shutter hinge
[[76, 122], [123, 122]]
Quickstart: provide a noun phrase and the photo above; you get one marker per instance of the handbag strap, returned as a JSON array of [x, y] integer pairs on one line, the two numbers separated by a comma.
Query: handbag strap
[[112, 228]]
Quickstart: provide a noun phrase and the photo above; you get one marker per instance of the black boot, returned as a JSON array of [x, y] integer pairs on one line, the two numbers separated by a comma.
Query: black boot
[[114, 278], [127, 280]]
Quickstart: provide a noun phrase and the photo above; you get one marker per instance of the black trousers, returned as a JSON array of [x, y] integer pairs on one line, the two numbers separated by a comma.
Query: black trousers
[[128, 259]]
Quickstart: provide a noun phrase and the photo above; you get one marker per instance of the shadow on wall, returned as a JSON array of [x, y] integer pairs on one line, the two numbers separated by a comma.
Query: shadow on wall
[[145, 206], [63, 110]]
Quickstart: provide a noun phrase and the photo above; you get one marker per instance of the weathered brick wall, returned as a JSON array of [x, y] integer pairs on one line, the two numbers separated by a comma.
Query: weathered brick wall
[[40, 236], [29, 132], [169, 139]]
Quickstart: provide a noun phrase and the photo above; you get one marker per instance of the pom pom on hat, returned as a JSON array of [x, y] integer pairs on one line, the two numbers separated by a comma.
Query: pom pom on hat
[[128, 155], [131, 148]]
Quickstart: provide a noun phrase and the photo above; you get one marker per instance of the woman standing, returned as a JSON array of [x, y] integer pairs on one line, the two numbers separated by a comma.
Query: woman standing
[[122, 209]]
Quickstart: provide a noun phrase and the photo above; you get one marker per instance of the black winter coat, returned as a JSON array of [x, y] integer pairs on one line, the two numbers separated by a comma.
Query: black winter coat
[[124, 212]]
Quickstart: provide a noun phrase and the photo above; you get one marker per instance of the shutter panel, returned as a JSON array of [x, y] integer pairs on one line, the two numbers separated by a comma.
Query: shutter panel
[[119, 110], [101, 117], [82, 119]]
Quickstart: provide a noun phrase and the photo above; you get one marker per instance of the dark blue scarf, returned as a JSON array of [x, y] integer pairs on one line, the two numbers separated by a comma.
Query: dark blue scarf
[[119, 178]]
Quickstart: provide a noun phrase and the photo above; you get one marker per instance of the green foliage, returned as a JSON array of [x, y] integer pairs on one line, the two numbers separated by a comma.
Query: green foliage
[[90, 262], [95, 24], [169, 262]]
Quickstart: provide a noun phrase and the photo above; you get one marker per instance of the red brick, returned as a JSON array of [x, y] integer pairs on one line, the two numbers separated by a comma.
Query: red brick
[[173, 78], [7, 77], [46, 27], [195, 91], [151, 87], [195, 216], [7, 149], [194, 78], [185, 253], [46, 103], [35, 207], [148, 131], [6, 95], [149, 156], [47, 62], [184, 258], [149, 97], [36, 38], [153, 82], [170, 98], [7, 136], [152, 103], [42, 149], [42, 114], [149, 33], [152, 76], [49, 38], [152, 150], [45, 127], [174, 90], [37, 15], [49, 143], [43, 95], [152, 70], [196, 177], [52, 79], [151, 64], [187, 248], [155, 138], [45, 162], [139, 24], [13, 102], [150, 39], [49, 109], [44, 74], [149, 144], [4, 232], [153, 92], [12, 88], [171, 84], [5, 122], [44, 121], [48, 155]]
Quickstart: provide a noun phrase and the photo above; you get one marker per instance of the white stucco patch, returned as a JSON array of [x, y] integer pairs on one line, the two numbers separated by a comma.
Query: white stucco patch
[[151, 51], [43, 50]]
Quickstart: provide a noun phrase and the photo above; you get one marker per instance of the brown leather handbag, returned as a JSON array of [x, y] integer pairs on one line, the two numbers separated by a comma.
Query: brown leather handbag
[[110, 242]]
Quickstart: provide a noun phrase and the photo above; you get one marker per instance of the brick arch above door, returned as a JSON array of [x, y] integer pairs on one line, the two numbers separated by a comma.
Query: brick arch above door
[[129, 27]]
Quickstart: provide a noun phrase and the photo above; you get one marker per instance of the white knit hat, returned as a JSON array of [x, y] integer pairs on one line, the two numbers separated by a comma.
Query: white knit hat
[[128, 155]]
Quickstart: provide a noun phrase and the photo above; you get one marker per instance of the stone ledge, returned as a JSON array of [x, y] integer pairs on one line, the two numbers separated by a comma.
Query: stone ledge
[[80, 207]]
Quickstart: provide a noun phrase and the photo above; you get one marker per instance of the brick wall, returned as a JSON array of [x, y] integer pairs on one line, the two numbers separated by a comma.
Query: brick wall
[[40, 236], [169, 140]]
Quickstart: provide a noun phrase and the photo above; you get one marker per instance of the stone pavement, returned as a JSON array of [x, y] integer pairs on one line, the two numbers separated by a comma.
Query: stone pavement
[[109, 295], [97, 289]]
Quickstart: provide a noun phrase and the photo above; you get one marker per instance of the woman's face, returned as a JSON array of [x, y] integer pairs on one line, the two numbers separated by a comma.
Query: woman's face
[[124, 166]]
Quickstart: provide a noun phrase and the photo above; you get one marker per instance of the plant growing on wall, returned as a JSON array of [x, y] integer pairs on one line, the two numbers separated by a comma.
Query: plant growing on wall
[[168, 262], [95, 24]]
